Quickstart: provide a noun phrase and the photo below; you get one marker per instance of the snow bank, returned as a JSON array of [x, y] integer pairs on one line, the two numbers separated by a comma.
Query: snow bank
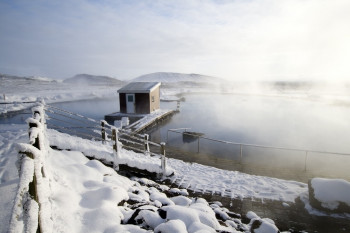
[[85, 194], [98, 150], [90, 148]]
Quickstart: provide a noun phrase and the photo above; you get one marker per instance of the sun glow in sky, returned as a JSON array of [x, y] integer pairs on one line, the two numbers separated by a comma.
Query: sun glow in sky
[[293, 40]]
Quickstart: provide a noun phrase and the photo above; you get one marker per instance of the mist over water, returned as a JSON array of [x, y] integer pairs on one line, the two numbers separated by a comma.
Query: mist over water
[[307, 124], [263, 120]]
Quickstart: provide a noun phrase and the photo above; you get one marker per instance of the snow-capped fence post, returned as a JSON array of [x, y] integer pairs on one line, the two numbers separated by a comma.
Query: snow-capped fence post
[[115, 148], [32, 125], [36, 144], [163, 160], [147, 151], [34, 173], [103, 132]]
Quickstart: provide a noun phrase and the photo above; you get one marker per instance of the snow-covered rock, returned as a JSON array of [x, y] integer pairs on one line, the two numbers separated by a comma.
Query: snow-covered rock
[[330, 194], [263, 226], [172, 226]]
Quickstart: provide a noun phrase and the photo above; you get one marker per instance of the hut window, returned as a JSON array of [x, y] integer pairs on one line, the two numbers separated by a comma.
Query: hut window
[[152, 98]]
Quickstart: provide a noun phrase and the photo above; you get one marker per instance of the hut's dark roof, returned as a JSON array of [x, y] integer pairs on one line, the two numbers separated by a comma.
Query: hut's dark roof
[[139, 87]]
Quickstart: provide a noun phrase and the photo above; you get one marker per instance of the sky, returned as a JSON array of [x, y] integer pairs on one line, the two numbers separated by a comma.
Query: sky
[[293, 40]]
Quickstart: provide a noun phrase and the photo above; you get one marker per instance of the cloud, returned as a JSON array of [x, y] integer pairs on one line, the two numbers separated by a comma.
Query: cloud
[[256, 39]]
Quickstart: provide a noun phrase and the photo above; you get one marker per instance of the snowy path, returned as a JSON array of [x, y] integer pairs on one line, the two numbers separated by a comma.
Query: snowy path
[[233, 184], [205, 179], [9, 135]]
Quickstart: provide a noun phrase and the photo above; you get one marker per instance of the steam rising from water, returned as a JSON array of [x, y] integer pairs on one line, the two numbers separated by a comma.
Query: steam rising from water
[[306, 116]]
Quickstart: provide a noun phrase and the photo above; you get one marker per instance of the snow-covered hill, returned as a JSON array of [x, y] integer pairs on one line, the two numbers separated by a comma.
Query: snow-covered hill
[[12, 78], [88, 79], [18, 91], [165, 77]]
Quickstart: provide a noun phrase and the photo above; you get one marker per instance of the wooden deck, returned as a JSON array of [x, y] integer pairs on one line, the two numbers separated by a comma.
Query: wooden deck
[[140, 122]]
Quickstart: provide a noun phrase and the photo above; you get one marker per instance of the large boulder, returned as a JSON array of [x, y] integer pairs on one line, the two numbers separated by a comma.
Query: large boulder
[[331, 195]]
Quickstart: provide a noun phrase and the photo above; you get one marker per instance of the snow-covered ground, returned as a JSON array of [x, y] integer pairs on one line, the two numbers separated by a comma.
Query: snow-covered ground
[[23, 89], [9, 136], [84, 195]]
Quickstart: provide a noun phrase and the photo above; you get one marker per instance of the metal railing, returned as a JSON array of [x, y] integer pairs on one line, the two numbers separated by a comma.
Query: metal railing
[[82, 126], [200, 143]]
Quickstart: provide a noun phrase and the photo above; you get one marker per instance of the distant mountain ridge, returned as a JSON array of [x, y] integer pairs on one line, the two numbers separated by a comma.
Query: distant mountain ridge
[[167, 77], [92, 79]]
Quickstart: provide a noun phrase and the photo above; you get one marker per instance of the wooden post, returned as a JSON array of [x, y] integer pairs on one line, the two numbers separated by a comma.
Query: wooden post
[[103, 132], [146, 144], [34, 116], [33, 189], [36, 142], [163, 160], [115, 148]]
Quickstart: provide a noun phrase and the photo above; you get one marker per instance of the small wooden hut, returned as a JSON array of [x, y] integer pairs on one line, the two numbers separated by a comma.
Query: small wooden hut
[[139, 97]]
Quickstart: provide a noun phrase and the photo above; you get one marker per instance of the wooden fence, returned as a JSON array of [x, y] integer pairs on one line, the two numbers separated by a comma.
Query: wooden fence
[[32, 179], [31, 207]]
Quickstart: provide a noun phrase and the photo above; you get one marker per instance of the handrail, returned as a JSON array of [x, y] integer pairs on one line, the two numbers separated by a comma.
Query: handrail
[[107, 132], [260, 146]]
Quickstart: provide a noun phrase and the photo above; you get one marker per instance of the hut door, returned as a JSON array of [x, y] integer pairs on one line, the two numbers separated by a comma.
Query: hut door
[[130, 103]]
